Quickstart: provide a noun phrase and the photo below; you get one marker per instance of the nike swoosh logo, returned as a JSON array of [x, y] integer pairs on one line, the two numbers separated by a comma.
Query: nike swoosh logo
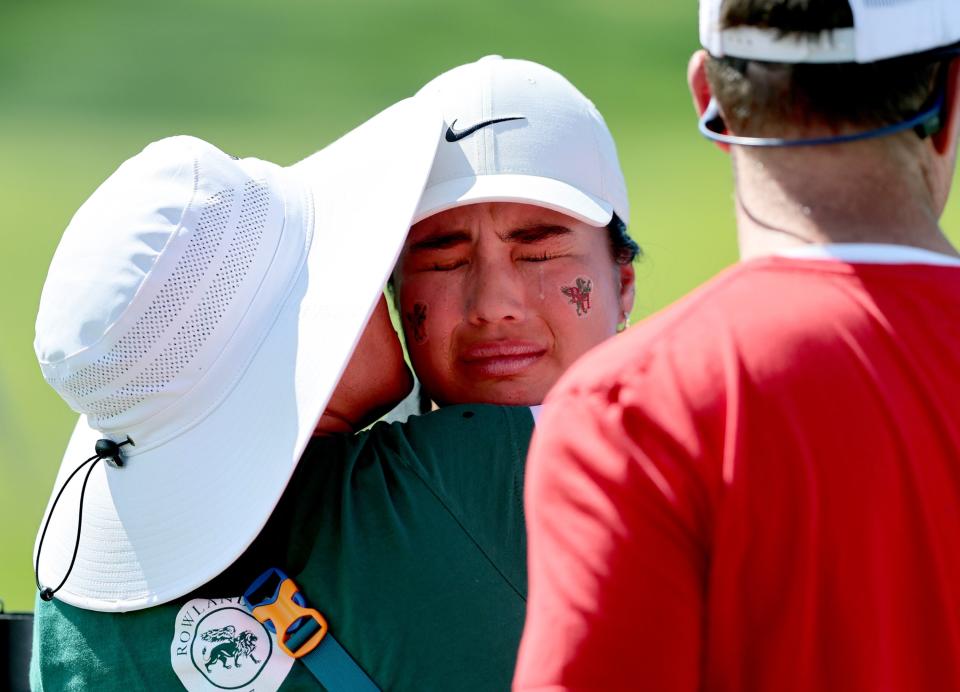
[[454, 136]]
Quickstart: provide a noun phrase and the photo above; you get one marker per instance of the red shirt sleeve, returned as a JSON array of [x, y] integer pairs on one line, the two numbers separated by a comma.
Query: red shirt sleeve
[[616, 560]]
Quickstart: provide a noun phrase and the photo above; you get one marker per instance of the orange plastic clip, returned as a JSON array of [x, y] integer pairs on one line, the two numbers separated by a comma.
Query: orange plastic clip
[[284, 612]]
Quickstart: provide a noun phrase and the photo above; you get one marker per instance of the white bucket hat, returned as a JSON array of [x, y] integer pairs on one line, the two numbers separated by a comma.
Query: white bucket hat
[[881, 29], [517, 131], [205, 307]]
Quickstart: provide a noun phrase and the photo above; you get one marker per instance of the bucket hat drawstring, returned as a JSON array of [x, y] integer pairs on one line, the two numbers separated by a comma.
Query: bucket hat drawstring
[[105, 450]]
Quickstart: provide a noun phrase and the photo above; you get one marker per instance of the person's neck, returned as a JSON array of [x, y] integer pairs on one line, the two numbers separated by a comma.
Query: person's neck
[[804, 197]]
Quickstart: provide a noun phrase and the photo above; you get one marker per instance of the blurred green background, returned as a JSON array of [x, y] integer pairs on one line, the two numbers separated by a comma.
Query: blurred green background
[[85, 85]]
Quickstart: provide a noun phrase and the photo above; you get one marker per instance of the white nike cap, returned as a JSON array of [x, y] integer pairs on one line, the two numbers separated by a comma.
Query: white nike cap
[[882, 29], [517, 131]]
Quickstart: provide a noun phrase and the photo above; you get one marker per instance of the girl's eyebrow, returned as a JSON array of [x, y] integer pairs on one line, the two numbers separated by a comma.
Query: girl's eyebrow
[[440, 240], [534, 234]]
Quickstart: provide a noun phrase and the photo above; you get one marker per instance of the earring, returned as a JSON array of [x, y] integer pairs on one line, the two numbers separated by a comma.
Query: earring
[[624, 323]]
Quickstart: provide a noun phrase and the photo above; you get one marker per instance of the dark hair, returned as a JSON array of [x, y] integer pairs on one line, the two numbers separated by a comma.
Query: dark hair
[[623, 248], [756, 95]]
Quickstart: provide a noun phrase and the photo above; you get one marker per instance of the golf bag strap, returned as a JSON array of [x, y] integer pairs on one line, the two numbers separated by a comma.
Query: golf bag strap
[[335, 668]]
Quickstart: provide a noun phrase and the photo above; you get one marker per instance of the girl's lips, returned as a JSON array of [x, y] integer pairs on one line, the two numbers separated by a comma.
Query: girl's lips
[[501, 358]]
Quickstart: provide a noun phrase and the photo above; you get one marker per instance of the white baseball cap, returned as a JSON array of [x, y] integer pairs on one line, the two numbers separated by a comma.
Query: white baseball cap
[[517, 131], [205, 307], [881, 29]]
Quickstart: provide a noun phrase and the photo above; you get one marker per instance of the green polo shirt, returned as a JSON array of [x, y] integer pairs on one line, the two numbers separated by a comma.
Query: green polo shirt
[[409, 538]]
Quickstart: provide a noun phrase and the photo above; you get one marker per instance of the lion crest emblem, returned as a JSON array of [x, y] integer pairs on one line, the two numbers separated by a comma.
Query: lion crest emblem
[[218, 645], [228, 645]]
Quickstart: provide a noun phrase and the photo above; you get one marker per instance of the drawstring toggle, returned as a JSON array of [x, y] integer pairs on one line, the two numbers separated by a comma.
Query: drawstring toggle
[[109, 451]]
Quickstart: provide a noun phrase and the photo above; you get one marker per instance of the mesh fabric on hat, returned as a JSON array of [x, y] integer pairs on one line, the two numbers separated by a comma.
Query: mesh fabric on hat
[[165, 311]]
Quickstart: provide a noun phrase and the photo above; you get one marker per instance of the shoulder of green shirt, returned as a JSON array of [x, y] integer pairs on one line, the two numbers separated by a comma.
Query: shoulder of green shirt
[[441, 442], [473, 458], [450, 437]]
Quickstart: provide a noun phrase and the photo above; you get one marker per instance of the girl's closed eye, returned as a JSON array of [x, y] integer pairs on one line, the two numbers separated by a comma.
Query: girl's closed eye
[[447, 266], [542, 257]]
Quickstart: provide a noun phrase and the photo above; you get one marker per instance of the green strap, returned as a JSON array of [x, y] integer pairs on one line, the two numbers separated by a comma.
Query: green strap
[[330, 663]]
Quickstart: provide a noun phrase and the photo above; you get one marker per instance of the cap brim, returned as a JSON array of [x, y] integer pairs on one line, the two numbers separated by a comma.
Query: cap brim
[[526, 189], [179, 514]]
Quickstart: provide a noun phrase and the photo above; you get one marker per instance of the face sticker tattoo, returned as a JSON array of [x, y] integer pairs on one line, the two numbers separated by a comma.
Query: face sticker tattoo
[[579, 295], [417, 320]]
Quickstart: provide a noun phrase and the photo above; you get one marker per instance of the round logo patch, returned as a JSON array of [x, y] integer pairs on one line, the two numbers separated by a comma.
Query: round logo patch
[[218, 645]]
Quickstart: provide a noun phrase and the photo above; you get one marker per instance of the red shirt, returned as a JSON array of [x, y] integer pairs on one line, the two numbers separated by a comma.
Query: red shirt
[[757, 489]]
